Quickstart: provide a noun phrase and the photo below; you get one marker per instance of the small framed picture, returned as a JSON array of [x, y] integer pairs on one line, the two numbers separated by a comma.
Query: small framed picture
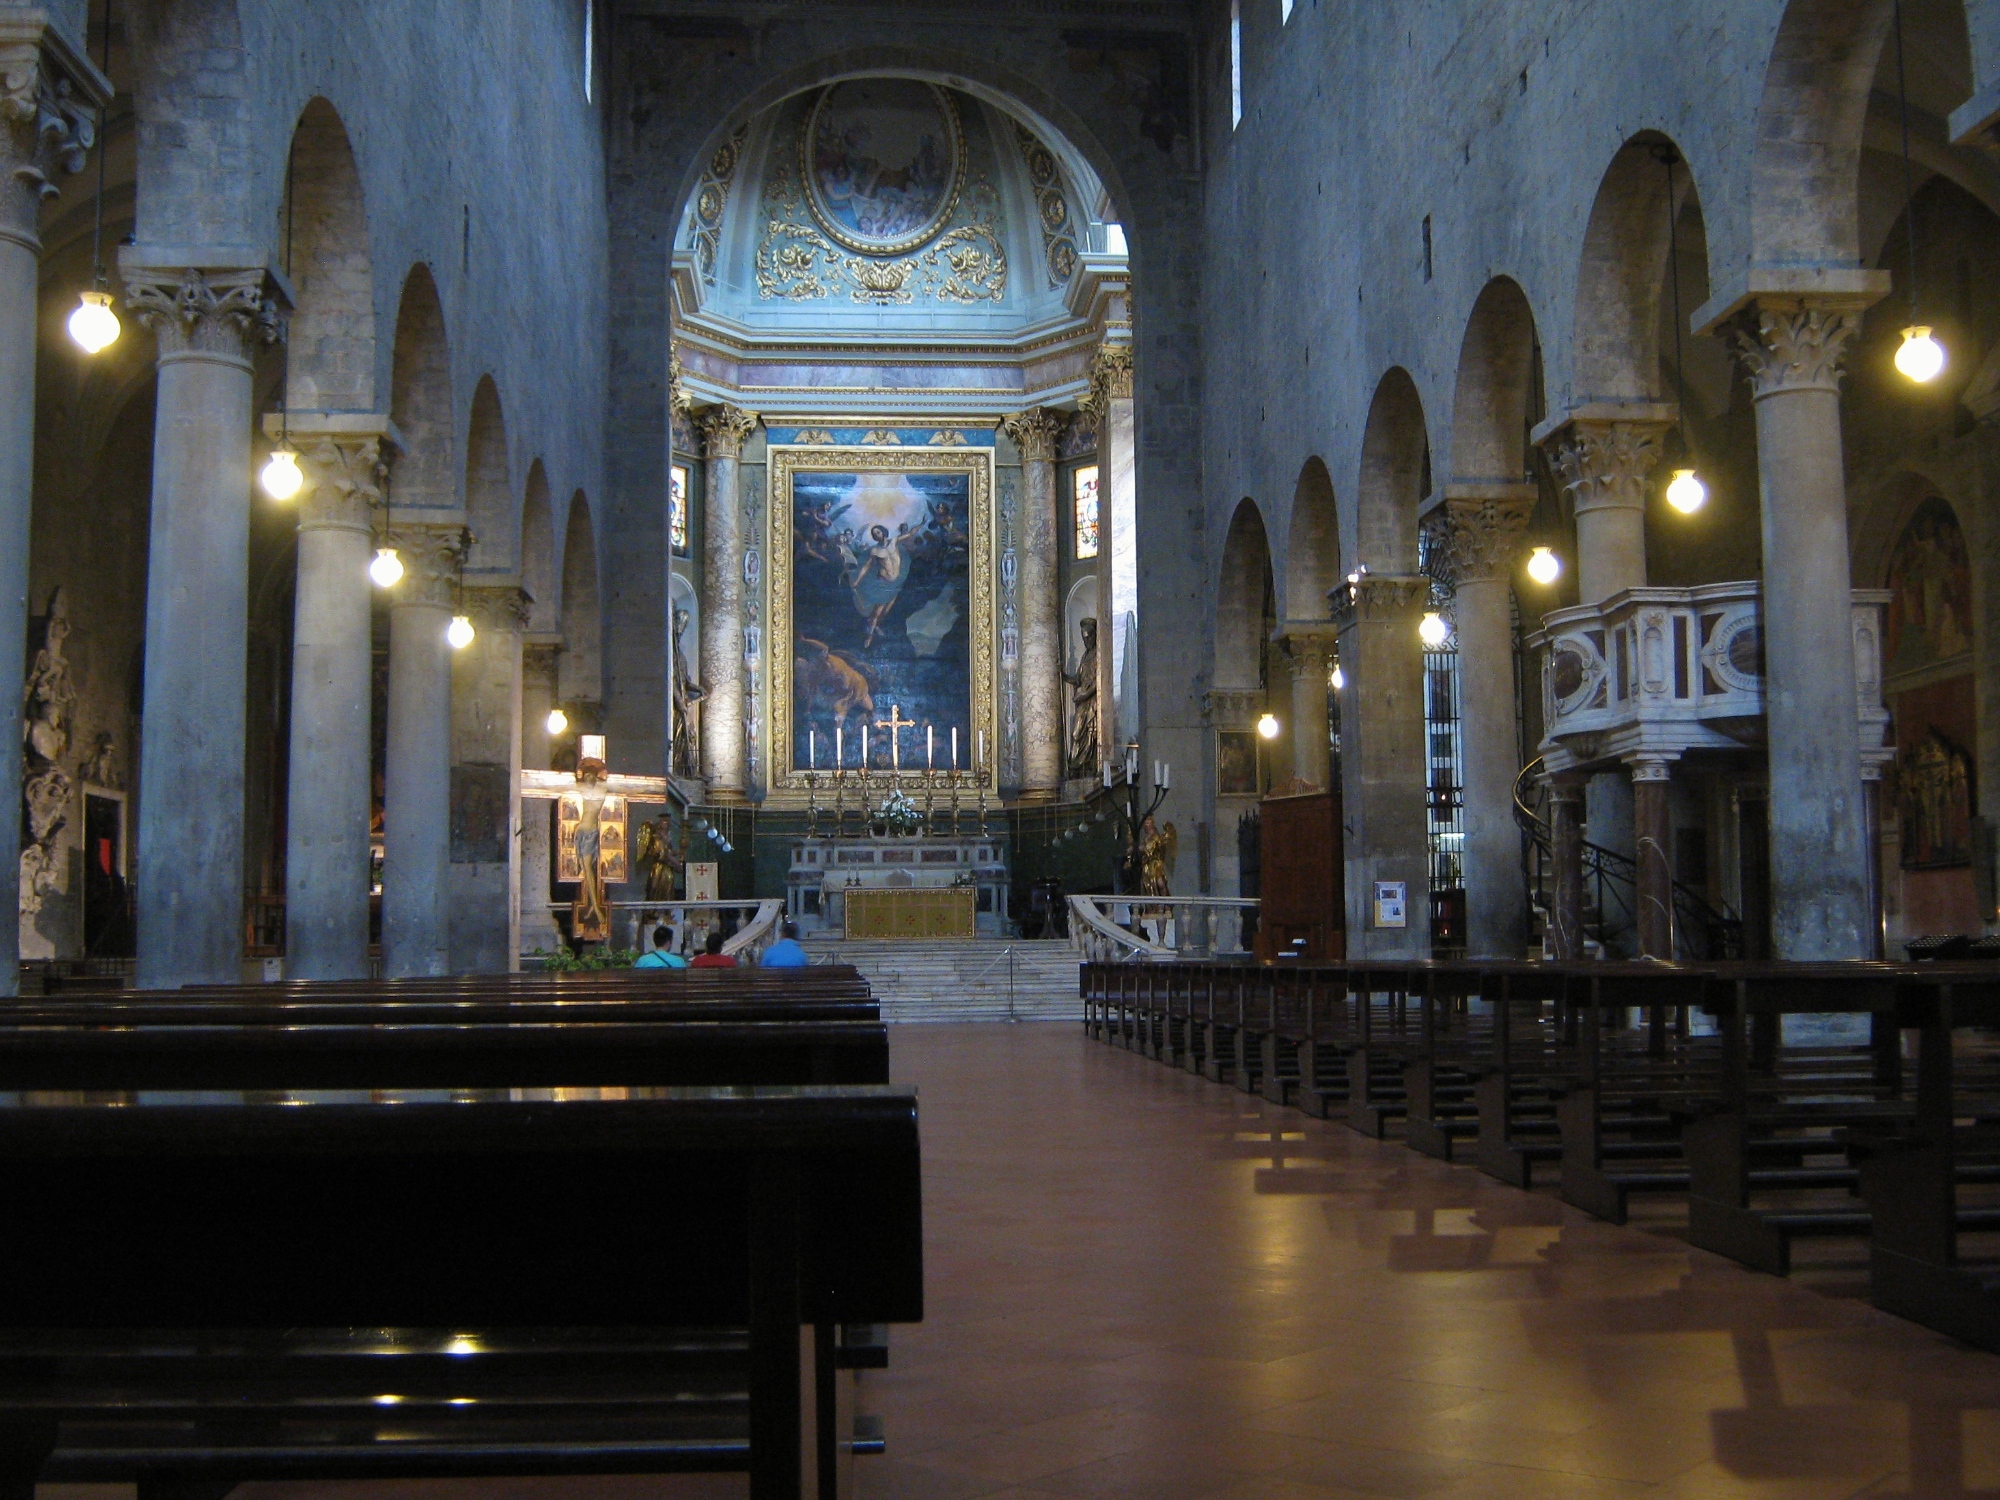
[[1236, 763], [677, 509]]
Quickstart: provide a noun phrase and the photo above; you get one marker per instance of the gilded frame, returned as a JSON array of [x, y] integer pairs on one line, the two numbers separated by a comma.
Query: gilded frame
[[789, 459]]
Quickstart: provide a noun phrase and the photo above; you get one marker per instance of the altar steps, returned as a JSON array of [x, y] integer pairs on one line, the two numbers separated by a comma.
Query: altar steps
[[964, 980]]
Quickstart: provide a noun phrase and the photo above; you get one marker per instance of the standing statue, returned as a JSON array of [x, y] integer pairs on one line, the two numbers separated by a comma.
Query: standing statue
[[1157, 853], [1083, 722], [48, 699], [687, 693], [599, 840], [659, 849]]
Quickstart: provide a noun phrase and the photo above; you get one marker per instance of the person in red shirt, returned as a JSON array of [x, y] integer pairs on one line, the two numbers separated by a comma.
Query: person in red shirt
[[712, 956]]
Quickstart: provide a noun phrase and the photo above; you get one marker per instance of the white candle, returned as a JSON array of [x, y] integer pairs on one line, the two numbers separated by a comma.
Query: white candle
[[1167, 774], [930, 747], [979, 756], [812, 749], [864, 744], [1105, 766], [954, 747], [839, 733]]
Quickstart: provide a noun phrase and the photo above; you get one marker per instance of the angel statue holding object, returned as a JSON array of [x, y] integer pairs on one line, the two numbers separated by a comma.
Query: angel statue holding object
[[1158, 852]]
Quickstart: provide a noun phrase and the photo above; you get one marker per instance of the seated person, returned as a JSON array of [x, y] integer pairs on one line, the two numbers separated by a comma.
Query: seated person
[[712, 956], [786, 952], [663, 955]]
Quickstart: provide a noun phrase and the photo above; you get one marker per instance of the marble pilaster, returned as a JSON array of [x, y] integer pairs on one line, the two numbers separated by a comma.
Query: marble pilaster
[[208, 321], [48, 98], [1479, 528], [329, 794], [416, 843], [724, 430], [1384, 798], [1035, 432], [1821, 906]]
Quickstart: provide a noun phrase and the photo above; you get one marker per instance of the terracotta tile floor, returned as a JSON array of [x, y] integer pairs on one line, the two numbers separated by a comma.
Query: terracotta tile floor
[[1145, 1285]]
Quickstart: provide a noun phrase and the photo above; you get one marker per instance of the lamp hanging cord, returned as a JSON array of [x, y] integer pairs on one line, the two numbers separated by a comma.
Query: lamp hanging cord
[[1909, 184], [99, 280], [1669, 157]]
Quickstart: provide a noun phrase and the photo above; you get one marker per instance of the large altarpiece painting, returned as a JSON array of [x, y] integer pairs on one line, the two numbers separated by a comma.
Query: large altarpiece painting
[[881, 608]]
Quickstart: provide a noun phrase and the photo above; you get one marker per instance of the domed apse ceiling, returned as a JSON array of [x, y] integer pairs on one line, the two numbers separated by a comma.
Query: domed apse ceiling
[[884, 235]]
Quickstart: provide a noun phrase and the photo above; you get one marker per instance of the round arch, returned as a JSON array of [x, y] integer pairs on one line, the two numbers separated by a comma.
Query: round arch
[[1242, 586], [420, 400], [1491, 406], [538, 551], [1312, 545], [1621, 308], [582, 673], [489, 508], [1395, 463], [330, 346]]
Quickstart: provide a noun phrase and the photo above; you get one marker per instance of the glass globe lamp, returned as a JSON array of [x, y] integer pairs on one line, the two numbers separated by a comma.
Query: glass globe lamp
[[93, 325], [1544, 566], [459, 632], [1686, 493], [1921, 357], [282, 477], [387, 569]]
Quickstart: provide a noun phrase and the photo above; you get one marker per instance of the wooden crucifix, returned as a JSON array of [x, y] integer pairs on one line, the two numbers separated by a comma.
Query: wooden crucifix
[[591, 844]]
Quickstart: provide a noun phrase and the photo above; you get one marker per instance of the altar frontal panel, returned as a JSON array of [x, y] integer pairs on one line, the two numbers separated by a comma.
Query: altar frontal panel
[[881, 610]]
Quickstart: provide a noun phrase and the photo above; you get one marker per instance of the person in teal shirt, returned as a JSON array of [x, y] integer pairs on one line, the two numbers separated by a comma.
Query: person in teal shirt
[[786, 952], [662, 957]]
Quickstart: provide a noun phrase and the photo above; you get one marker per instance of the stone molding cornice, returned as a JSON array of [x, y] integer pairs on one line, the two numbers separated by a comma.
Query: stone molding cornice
[[219, 314], [725, 429], [51, 98], [432, 554], [1477, 538], [500, 607], [1232, 708], [1796, 343], [1380, 599], [1605, 464], [1035, 432]]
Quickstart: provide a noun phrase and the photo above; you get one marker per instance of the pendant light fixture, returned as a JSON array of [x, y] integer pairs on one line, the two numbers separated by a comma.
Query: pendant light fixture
[[387, 569], [557, 722], [282, 477], [1544, 566], [1685, 492], [93, 325], [1433, 631], [1921, 357]]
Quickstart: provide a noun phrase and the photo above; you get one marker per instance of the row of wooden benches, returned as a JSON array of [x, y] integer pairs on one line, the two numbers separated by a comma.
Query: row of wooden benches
[[1726, 1083], [642, 1223]]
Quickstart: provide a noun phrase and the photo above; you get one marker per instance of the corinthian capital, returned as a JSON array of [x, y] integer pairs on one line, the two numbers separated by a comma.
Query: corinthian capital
[[432, 554], [1604, 464], [1110, 380], [725, 429], [345, 473], [1475, 536], [503, 608], [1034, 432], [1381, 599], [49, 98], [1796, 343], [1311, 653], [193, 311]]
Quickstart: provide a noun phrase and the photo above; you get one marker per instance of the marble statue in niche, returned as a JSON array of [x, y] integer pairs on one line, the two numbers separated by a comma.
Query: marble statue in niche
[[688, 693], [48, 703], [1083, 720]]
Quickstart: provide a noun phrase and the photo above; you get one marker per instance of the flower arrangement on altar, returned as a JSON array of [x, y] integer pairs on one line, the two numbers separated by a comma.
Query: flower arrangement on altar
[[899, 814]]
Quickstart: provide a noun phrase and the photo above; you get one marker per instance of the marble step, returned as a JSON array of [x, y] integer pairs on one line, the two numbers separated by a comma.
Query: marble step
[[965, 981]]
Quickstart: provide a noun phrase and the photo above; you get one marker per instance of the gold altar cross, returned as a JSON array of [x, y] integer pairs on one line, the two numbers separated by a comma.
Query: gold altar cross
[[896, 724]]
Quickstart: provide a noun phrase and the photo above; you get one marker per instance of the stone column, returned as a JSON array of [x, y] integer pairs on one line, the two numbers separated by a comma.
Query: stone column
[[724, 430], [1820, 906], [1480, 531], [1035, 432], [1566, 858], [416, 833], [539, 656], [1312, 652], [486, 705], [1604, 457], [190, 859], [1384, 803], [48, 94], [329, 794], [1652, 824]]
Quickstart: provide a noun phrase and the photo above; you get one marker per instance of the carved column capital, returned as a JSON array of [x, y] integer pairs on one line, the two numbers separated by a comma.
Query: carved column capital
[[1380, 599], [1311, 653], [345, 473], [1796, 343], [1475, 537], [540, 660], [1110, 380], [1232, 708], [1034, 432], [678, 400], [503, 608], [218, 314], [1605, 464], [432, 554], [725, 429], [50, 99]]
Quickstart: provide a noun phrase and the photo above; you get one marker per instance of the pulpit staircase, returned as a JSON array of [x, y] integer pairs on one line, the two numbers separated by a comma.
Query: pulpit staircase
[[1610, 891], [964, 980]]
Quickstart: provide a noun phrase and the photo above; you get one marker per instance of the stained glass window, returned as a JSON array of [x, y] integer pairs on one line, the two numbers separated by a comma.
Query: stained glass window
[[1086, 512], [677, 508]]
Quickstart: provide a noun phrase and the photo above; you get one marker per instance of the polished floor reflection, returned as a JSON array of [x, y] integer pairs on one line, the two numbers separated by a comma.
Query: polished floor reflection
[[1145, 1285]]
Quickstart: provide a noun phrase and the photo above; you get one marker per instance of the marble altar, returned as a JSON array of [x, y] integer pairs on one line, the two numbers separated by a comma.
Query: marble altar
[[824, 869]]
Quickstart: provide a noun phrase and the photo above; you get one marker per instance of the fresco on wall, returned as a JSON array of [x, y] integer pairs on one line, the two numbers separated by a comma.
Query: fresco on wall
[[1934, 779], [881, 597], [882, 162], [1930, 617]]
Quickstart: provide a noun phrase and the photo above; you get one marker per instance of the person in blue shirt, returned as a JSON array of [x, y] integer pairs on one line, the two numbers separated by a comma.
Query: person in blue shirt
[[662, 957], [786, 952]]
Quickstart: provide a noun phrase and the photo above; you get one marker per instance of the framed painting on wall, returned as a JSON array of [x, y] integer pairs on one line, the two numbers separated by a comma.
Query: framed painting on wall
[[1236, 763], [882, 614]]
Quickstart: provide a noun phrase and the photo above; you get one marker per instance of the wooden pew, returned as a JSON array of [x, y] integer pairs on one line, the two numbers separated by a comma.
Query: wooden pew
[[690, 1243], [1382, 1044], [1440, 1062]]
